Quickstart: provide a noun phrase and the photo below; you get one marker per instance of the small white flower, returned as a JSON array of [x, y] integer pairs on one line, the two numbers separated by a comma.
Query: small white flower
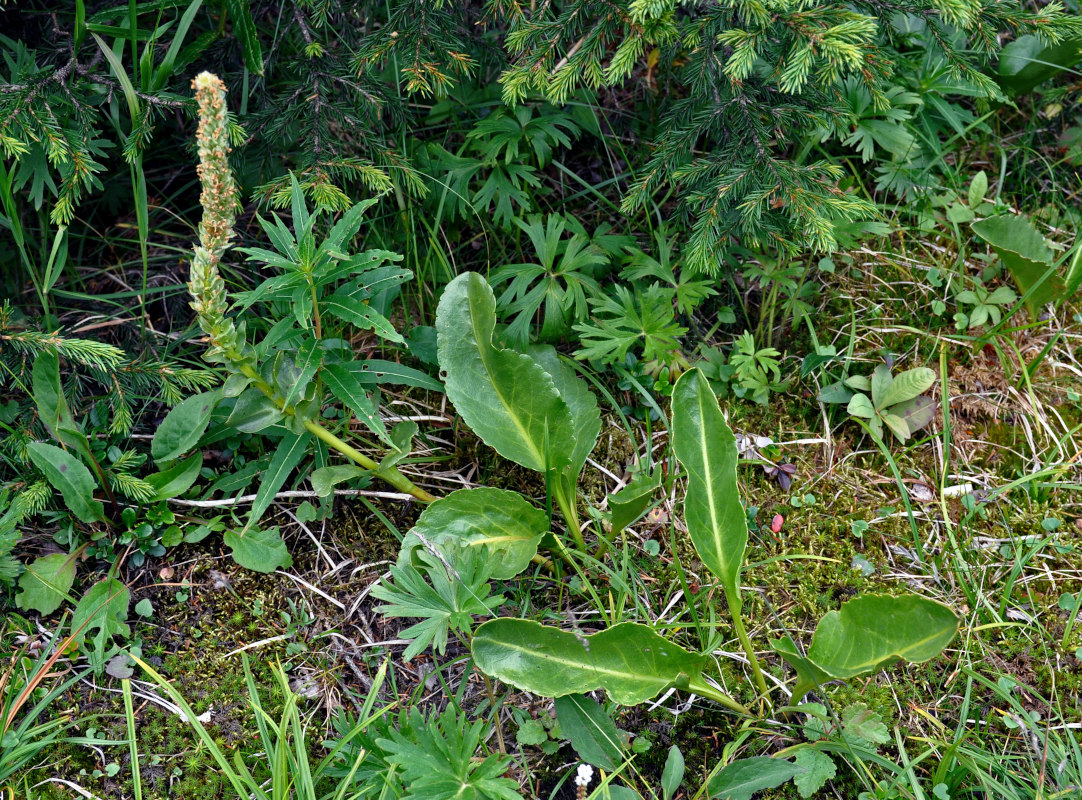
[[584, 775]]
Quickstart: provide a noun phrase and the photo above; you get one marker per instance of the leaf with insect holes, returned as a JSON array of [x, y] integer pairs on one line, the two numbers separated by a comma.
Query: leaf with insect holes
[[46, 583], [629, 661]]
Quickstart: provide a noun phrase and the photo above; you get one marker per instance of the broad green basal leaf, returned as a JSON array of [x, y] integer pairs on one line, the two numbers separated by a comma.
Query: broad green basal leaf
[[257, 549], [1026, 254], [497, 519], [629, 661], [585, 415], [183, 426], [46, 582], [628, 503], [873, 631], [741, 779], [706, 449], [507, 398]]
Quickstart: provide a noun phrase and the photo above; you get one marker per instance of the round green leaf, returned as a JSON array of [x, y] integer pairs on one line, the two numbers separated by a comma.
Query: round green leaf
[[873, 631], [501, 520]]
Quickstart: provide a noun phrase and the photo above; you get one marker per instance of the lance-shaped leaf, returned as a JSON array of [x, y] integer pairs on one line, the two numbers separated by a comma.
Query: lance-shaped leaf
[[498, 519], [706, 449], [629, 503], [629, 661], [68, 474], [873, 631], [183, 426], [741, 779], [592, 732], [507, 398]]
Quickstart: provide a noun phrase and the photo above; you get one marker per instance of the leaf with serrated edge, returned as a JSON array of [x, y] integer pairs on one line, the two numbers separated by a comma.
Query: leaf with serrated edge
[[507, 398], [629, 661], [873, 631], [818, 769], [706, 449]]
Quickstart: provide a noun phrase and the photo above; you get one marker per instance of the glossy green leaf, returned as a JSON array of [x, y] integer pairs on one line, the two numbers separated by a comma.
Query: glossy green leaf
[[350, 392], [502, 521], [46, 583], [1026, 255], [585, 415], [183, 426], [706, 449], [592, 732], [908, 385], [872, 631], [257, 549], [631, 501], [100, 615], [629, 661], [176, 480], [506, 398], [741, 779], [70, 476]]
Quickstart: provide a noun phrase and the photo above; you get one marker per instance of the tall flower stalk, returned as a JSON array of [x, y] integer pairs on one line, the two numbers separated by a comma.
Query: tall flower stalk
[[209, 300]]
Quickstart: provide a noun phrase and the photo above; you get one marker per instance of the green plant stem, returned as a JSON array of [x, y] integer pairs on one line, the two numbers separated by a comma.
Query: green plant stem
[[702, 688], [570, 513], [738, 624], [391, 476]]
